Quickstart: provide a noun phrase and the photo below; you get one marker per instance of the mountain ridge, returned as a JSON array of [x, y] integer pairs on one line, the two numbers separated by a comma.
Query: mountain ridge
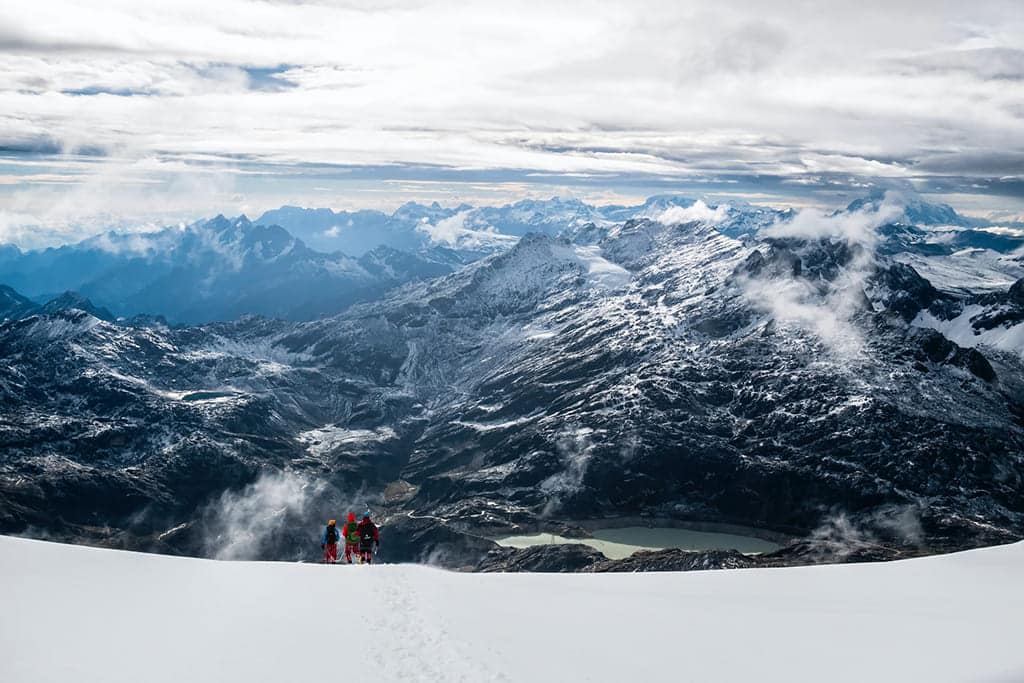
[[650, 368]]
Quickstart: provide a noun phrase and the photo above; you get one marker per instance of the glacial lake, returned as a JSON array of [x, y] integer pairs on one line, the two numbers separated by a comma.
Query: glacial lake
[[624, 541]]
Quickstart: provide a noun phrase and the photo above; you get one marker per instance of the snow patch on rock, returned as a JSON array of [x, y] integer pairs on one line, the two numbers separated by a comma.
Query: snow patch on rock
[[323, 440], [599, 272], [961, 330]]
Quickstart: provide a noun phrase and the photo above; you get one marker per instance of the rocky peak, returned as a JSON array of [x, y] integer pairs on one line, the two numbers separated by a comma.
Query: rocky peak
[[74, 300]]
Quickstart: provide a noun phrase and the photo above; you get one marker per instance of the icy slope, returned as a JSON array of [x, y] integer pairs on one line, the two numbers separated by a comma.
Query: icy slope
[[82, 614]]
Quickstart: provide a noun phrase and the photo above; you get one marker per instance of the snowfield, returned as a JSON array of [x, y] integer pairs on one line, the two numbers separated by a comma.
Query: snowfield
[[83, 614]]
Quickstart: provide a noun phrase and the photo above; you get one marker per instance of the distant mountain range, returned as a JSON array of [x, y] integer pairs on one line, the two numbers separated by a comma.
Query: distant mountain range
[[223, 268], [301, 264], [217, 270]]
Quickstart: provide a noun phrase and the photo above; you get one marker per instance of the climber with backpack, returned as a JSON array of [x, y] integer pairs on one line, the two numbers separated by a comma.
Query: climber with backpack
[[351, 534], [329, 542], [369, 537]]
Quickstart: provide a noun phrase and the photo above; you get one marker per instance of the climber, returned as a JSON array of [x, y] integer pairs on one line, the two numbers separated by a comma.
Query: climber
[[369, 537], [351, 534], [329, 542]]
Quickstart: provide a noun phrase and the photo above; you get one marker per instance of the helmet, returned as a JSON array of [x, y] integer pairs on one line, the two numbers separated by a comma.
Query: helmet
[[330, 523], [366, 515], [351, 516]]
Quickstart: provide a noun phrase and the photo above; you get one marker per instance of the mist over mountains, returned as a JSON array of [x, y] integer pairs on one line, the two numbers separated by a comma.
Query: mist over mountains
[[483, 369]]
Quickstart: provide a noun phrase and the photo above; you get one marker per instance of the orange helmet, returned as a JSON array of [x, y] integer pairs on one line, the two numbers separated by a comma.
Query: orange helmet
[[330, 523]]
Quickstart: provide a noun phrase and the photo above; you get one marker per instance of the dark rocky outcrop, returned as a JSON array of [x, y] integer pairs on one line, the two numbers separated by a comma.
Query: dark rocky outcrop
[[405, 539], [676, 560], [583, 558], [935, 348], [903, 291], [541, 558]]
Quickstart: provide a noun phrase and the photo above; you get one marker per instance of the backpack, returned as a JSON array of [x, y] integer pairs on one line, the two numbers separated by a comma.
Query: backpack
[[366, 530], [351, 532], [332, 535]]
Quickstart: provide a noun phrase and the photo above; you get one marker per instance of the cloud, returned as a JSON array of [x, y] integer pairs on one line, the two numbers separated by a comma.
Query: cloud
[[447, 230], [574, 446], [823, 98], [239, 524], [856, 227], [279, 516], [696, 212], [826, 309], [1001, 63], [452, 231], [840, 535], [143, 195]]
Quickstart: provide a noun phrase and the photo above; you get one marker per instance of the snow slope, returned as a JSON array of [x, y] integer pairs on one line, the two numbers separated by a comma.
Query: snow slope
[[966, 271], [962, 331], [82, 614]]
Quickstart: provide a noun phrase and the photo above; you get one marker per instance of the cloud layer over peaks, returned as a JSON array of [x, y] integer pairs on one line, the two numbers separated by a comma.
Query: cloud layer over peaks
[[783, 97]]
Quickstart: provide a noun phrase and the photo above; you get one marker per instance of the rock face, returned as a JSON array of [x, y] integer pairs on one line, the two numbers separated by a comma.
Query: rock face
[[541, 558], [901, 290], [675, 560], [582, 558], [1016, 293], [644, 368]]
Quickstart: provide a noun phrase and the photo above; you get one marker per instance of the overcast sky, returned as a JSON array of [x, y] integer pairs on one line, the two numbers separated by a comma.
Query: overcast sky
[[127, 112]]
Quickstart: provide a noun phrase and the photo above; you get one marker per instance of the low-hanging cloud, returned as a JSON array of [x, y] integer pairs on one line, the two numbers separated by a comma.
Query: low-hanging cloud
[[137, 196], [856, 227], [279, 516], [698, 212], [574, 445], [841, 535], [239, 524], [827, 309]]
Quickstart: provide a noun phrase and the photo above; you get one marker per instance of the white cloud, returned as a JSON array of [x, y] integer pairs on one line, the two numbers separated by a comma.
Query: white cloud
[[239, 523], [698, 211], [452, 231], [130, 196], [857, 227], [665, 89], [827, 309]]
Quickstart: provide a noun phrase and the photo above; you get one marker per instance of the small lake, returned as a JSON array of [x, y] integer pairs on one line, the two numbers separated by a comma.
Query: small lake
[[624, 541]]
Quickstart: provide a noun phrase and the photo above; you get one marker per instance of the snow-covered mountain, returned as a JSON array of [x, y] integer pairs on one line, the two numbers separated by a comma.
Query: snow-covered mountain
[[914, 210], [949, 618], [357, 232], [795, 370], [413, 226], [647, 367], [488, 229], [994, 320]]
